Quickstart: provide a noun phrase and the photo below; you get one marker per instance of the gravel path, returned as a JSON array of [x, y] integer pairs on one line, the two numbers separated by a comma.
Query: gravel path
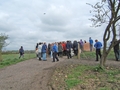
[[27, 75], [34, 75]]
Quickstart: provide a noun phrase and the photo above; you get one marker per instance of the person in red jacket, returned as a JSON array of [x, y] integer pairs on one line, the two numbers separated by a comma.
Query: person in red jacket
[[64, 48]]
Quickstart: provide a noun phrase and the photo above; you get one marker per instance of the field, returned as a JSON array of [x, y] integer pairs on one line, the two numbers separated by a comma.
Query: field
[[91, 55], [9, 59], [12, 58]]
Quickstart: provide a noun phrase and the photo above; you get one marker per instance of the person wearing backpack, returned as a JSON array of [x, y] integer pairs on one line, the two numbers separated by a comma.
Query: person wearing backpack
[[21, 52]]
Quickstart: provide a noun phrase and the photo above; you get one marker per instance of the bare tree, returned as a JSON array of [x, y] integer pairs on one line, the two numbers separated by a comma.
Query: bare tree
[[106, 12], [3, 43]]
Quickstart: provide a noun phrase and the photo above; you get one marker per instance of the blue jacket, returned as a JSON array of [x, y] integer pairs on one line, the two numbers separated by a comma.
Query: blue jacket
[[98, 45], [91, 41], [55, 48], [44, 48], [69, 45], [21, 50]]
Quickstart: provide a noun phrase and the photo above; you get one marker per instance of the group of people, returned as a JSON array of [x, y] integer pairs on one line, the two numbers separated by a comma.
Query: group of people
[[59, 49], [98, 46], [42, 48]]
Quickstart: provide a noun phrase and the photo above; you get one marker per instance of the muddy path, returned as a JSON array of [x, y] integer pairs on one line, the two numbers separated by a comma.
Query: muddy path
[[27, 75]]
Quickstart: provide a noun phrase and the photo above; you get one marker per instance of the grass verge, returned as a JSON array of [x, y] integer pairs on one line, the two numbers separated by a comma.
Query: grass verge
[[84, 77], [9, 59]]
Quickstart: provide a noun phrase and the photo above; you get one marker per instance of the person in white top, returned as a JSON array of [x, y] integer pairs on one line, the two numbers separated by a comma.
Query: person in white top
[[39, 51]]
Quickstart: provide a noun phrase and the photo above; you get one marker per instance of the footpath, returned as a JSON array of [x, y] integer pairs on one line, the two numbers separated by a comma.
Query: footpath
[[27, 75], [34, 74]]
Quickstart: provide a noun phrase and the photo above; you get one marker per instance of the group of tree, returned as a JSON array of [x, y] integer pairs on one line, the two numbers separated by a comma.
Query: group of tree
[[3, 43]]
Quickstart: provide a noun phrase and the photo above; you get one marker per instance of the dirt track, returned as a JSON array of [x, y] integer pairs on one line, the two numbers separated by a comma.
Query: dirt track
[[34, 75], [27, 75]]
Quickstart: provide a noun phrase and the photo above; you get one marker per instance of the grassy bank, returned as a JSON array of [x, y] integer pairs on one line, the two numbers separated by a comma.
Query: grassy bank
[[91, 77], [86, 77]]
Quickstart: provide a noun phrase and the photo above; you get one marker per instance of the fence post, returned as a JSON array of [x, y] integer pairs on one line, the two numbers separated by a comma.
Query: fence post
[[78, 56]]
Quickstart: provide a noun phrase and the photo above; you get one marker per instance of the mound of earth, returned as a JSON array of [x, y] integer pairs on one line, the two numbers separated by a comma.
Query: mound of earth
[[57, 82]]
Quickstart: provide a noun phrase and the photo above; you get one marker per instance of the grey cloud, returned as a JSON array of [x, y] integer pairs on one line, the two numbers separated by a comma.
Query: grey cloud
[[30, 21]]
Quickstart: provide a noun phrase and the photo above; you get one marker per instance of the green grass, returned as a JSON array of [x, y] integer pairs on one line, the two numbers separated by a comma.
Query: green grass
[[104, 88], [9, 59], [87, 77], [82, 73], [72, 79], [92, 55], [87, 55], [111, 55]]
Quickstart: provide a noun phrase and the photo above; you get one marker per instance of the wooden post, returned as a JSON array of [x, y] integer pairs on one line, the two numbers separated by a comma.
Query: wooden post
[[78, 56]]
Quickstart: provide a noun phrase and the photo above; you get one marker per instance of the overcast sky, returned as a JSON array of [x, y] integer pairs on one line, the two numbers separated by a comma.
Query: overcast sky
[[28, 22]]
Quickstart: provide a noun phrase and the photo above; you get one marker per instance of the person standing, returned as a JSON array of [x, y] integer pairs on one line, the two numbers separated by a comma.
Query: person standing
[[81, 45], [68, 47], [64, 48], [91, 43], [98, 46], [44, 50], [51, 52], [49, 49], [75, 47], [116, 49], [21, 52], [55, 51], [60, 50], [39, 51], [36, 50]]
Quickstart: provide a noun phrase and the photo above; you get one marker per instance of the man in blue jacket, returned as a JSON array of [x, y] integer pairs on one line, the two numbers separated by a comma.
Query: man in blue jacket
[[98, 46], [91, 43], [44, 50], [55, 51]]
